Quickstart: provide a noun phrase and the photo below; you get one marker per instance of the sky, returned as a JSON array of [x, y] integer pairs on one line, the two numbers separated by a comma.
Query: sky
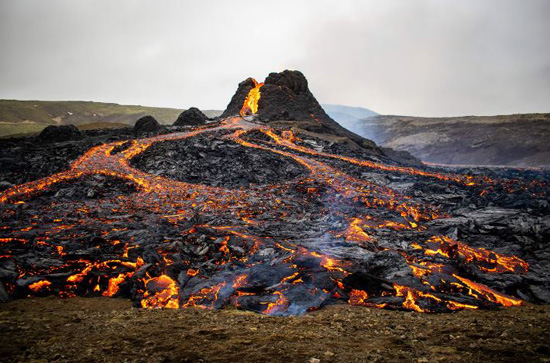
[[417, 58]]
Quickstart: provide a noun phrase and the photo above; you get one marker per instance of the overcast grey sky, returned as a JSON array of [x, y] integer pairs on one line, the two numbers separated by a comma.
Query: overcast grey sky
[[421, 57]]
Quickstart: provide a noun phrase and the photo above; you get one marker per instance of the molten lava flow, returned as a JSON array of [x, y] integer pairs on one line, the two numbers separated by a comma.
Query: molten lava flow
[[162, 292], [206, 297], [114, 283], [489, 261], [358, 297], [482, 291], [40, 285], [279, 304], [166, 277], [287, 140], [412, 297], [250, 105], [356, 233]]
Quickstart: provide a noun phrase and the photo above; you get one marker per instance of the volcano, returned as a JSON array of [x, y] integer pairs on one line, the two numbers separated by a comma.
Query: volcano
[[272, 208], [284, 100]]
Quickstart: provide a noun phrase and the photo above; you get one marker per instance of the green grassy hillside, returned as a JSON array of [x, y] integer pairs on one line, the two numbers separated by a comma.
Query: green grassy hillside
[[19, 117], [102, 125]]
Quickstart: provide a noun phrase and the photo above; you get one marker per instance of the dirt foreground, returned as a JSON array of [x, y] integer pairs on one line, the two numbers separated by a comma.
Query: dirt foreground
[[110, 330]]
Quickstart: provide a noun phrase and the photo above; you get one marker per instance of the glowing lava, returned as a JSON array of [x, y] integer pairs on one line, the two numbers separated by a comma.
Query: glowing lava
[[250, 105], [436, 286]]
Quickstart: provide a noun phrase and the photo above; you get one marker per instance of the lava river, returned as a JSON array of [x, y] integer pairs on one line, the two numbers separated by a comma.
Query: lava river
[[236, 256]]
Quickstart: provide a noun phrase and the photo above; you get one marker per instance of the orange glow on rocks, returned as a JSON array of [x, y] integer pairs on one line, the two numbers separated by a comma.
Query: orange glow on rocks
[[162, 292], [40, 285], [250, 105], [492, 261], [114, 282], [240, 240], [481, 291]]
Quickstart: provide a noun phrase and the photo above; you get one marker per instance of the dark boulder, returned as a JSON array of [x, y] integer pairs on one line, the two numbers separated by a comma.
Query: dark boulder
[[146, 124], [60, 133], [191, 117]]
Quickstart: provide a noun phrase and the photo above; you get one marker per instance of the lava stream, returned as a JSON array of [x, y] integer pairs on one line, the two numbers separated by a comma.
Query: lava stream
[[242, 247]]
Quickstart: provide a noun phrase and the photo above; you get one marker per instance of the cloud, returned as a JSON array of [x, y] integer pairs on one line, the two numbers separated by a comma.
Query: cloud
[[400, 57]]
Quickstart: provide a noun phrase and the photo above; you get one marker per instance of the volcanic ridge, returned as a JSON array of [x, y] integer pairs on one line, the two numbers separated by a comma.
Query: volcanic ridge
[[273, 208]]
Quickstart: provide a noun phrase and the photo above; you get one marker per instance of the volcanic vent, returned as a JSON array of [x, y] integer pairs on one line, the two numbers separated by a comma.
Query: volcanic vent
[[284, 99], [336, 222], [282, 96]]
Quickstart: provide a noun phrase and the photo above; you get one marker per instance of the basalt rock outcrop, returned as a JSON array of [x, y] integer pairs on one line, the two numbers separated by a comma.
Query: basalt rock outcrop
[[60, 133], [286, 96], [146, 124], [204, 156], [191, 117]]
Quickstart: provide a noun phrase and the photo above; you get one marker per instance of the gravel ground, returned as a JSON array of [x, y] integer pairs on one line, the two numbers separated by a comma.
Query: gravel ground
[[110, 330]]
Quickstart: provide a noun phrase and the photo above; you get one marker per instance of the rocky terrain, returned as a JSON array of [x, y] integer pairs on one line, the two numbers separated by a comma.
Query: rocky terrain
[[272, 208], [511, 140]]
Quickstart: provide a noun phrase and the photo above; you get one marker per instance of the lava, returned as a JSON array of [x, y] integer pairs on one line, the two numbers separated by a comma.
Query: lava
[[243, 247], [493, 262], [250, 105], [480, 290], [162, 292], [40, 285]]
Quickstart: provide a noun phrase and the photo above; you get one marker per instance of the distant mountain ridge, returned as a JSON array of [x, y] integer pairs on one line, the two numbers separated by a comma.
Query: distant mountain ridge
[[347, 116], [509, 140], [19, 117]]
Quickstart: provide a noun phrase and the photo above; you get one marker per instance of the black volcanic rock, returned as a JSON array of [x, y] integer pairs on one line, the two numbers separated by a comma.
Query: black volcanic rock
[[216, 162], [192, 116], [293, 80], [146, 124], [60, 133], [285, 99], [24, 159], [264, 229], [286, 96]]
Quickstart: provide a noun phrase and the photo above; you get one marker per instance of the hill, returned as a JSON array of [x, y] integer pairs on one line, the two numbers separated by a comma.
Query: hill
[[511, 140], [347, 116], [19, 117]]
